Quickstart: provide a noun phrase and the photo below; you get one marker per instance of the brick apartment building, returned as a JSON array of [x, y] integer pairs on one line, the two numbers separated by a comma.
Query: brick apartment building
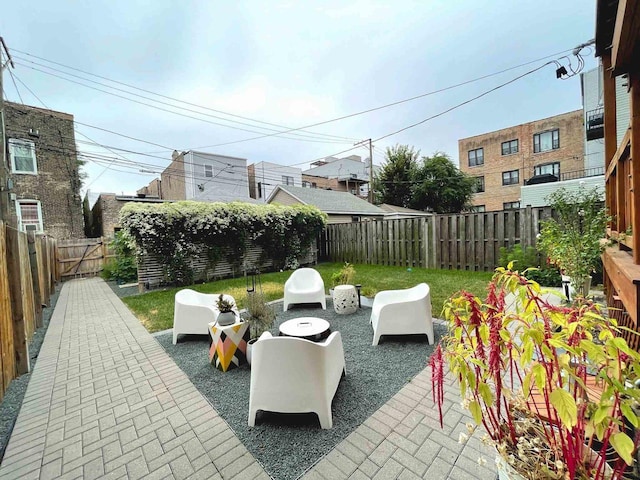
[[506, 159], [44, 169]]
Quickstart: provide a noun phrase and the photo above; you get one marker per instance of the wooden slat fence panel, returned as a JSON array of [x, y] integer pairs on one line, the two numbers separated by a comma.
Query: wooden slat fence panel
[[7, 355], [20, 327], [469, 241], [151, 269], [83, 257], [26, 280]]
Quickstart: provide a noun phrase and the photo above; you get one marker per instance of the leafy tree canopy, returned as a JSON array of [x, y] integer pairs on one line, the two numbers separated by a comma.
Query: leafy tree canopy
[[440, 187], [393, 183]]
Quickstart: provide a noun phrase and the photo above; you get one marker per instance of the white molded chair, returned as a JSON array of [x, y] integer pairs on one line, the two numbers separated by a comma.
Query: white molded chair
[[402, 312], [194, 311], [293, 375], [305, 285]]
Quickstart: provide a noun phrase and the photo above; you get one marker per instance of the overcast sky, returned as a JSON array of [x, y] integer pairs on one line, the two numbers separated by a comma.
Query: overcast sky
[[290, 64]]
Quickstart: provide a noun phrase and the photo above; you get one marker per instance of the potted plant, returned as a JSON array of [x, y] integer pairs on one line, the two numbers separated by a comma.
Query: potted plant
[[573, 238], [227, 315], [344, 276], [549, 384], [260, 316]]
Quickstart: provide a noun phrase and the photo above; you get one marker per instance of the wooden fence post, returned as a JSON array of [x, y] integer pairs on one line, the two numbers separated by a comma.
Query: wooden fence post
[[35, 277], [7, 357], [20, 345]]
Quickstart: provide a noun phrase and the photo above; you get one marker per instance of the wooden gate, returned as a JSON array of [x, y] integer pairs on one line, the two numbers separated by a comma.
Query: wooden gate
[[82, 257]]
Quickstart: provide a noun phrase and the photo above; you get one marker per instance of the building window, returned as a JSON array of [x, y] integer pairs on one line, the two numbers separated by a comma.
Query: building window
[[208, 171], [510, 147], [479, 209], [479, 184], [547, 168], [510, 205], [259, 189], [306, 184], [512, 177], [476, 157], [545, 141], [286, 180], [356, 218], [23, 156], [29, 215]]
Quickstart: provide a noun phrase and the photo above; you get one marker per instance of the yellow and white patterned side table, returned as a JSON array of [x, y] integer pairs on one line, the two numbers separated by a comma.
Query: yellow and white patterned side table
[[229, 345]]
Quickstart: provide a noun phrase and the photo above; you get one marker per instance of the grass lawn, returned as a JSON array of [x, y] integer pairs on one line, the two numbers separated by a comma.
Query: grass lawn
[[155, 309]]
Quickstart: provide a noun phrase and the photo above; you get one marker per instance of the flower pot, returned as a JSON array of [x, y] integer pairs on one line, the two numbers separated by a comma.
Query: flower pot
[[226, 318], [250, 344]]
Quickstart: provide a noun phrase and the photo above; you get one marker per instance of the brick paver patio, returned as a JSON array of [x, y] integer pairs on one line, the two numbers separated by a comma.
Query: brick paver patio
[[106, 401]]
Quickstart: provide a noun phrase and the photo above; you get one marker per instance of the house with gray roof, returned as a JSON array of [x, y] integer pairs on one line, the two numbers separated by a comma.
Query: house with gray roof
[[340, 207]]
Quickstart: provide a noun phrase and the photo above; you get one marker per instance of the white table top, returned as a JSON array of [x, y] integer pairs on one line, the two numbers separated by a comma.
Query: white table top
[[304, 327]]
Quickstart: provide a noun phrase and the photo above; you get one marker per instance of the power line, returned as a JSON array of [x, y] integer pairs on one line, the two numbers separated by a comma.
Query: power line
[[169, 97], [465, 102], [278, 133]]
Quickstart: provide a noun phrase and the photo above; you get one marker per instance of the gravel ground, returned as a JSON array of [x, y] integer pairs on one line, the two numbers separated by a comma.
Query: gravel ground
[[10, 405], [288, 445]]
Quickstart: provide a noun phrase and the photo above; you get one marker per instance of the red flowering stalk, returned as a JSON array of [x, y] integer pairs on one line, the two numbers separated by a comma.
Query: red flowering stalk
[[436, 362]]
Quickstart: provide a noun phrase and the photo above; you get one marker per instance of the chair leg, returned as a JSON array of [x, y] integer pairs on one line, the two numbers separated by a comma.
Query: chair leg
[[376, 338], [252, 417], [326, 421], [175, 336]]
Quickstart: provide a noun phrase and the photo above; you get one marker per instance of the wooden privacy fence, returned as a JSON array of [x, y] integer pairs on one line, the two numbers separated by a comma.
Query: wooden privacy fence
[[28, 273], [407, 242], [82, 257], [468, 241]]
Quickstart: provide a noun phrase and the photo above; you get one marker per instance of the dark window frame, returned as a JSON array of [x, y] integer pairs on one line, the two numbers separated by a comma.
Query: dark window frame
[[480, 186], [477, 159], [555, 140], [510, 179], [511, 205], [536, 169], [510, 150]]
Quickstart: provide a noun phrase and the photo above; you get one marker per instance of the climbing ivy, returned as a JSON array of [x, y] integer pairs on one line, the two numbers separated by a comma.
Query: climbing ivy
[[177, 231]]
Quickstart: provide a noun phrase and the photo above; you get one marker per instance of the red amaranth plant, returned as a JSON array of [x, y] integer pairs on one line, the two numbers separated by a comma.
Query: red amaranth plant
[[527, 371]]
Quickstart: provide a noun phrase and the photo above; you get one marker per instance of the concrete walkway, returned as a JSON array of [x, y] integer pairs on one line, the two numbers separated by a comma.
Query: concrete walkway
[[106, 401]]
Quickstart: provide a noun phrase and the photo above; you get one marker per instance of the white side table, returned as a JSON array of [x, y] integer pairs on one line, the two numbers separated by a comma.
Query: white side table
[[345, 299]]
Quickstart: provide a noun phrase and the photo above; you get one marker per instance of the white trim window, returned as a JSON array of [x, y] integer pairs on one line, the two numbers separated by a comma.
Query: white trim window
[[29, 215], [208, 171], [23, 156]]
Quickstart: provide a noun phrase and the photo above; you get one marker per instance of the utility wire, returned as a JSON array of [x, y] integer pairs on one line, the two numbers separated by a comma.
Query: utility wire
[[173, 98], [182, 114], [487, 92]]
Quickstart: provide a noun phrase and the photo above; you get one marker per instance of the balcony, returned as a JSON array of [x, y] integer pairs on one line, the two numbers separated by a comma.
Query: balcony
[[595, 124], [587, 172]]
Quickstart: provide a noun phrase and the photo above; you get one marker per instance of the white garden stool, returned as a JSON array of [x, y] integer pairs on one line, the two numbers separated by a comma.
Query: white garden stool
[[345, 299]]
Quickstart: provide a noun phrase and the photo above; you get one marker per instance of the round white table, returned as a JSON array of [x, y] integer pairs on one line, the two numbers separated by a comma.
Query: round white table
[[309, 328]]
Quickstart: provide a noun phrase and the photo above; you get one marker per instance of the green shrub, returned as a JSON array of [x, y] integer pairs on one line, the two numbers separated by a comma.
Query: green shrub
[[529, 257], [124, 267], [175, 232], [344, 276]]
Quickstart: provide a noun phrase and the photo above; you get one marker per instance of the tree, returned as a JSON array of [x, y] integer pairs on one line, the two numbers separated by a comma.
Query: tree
[[440, 187], [393, 183]]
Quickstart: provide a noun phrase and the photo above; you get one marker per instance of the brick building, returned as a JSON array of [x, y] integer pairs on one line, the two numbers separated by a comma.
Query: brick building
[[44, 169], [103, 218], [506, 159]]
